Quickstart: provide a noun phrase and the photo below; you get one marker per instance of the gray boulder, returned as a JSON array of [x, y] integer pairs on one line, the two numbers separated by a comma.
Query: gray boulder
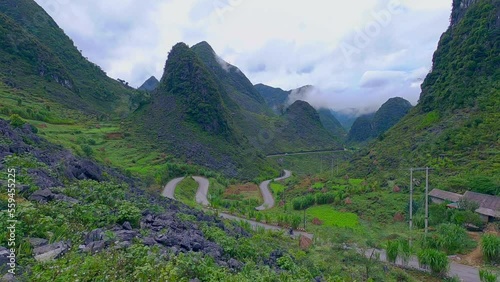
[[94, 235], [37, 242], [50, 252], [42, 196]]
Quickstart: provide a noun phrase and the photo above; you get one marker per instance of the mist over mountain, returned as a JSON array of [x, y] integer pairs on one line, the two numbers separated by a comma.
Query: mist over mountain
[[369, 126], [454, 128]]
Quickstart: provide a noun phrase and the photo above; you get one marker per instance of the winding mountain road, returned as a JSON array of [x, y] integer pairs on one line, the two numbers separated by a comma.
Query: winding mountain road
[[169, 189], [201, 198], [267, 195], [201, 194], [466, 273]]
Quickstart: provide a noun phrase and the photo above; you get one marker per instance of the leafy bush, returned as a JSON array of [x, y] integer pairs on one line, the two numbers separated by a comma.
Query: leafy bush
[[16, 120], [87, 150], [450, 238], [460, 217], [392, 250], [487, 276], [128, 212], [302, 203], [398, 248], [467, 205], [296, 220], [326, 198], [286, 262], [437, 261], [490, 246]]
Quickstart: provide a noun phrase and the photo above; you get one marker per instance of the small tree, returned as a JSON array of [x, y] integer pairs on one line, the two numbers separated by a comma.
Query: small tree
[[87, 150], [16, 120]]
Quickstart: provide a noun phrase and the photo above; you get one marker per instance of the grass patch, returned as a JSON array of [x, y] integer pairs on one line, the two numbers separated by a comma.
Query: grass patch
[[186, 190], [318, 185], [277, 187], [331, 217]]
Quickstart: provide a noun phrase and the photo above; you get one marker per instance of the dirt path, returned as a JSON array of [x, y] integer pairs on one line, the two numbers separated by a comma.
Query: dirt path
[[267, 195]]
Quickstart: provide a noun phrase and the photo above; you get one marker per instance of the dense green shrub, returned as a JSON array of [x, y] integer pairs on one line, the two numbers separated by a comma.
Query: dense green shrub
[[392, 250], [326, 198], [487, 276], [87, 150], [301, 203], [435, 260], [128, 212], [490, 246], [16, 120], [450, 238]]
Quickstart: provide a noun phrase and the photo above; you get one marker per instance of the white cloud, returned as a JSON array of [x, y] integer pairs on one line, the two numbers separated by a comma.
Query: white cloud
[[285, 44]]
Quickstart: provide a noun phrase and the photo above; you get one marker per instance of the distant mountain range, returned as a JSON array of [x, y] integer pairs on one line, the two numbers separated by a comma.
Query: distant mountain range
[[150, 84], [207, 111], [367, 127]]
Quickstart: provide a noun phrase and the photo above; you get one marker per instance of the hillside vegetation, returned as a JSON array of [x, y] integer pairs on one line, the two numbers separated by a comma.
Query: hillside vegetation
[[454, 128], [38, 57], [370, 126]]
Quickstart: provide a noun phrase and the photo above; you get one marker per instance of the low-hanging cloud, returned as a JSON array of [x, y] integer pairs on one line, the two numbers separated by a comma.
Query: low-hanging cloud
[[131, 40]]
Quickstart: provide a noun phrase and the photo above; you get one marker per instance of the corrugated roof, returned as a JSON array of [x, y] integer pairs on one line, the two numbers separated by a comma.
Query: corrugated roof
[[445, 195], [485, 201]]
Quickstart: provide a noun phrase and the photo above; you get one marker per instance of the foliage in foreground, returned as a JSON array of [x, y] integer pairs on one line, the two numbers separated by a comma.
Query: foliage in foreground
[[435, 260], [490, 246]]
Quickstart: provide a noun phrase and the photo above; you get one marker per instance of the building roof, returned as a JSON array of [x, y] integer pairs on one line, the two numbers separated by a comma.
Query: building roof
[[488, 204], [445, 195], [488, 212]]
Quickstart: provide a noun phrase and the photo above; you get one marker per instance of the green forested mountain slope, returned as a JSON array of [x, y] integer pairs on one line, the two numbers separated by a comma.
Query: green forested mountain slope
[[188, 117], [235, 83], [331, 123], [362, 129], [371, 126], [275, 98], [38, 56], [455, 127], [301, 130]]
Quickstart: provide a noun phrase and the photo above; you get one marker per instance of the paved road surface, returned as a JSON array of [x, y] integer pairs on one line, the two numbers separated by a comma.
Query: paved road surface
[[256, 224], [201, 194], [465, 272], [169, 189], [303, 153], [266, 194]]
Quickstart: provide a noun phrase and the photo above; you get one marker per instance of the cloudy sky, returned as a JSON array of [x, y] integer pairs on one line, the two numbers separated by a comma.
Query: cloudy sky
[[357, 53]]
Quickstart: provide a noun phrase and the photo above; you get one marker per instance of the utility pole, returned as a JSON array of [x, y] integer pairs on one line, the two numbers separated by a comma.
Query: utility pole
[[411, 204], [332, 169], [304, 219], [426, 200]]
